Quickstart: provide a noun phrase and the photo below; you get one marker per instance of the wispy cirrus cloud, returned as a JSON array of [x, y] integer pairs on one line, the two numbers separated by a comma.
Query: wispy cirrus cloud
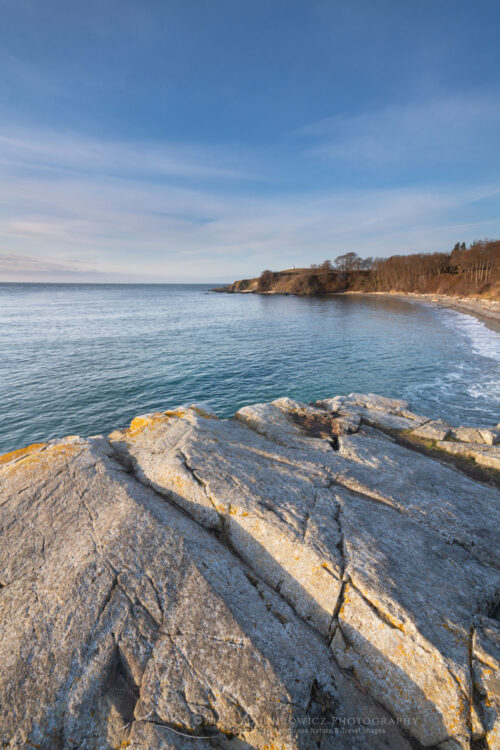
[[73, 208], [14, 263], [168, 233], [453, 129], [35, 151]]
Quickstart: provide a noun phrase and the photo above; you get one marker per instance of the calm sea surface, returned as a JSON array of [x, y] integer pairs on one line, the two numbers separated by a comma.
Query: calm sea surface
[[84, 359]]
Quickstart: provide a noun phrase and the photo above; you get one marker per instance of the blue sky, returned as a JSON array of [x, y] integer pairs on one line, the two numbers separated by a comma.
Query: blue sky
[[205, 140]]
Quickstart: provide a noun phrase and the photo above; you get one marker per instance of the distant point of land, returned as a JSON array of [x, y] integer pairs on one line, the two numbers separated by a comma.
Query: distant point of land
[[472, 271]]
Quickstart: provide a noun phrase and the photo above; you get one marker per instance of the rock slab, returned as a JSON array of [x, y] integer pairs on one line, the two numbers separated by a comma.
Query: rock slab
[[290, 578]]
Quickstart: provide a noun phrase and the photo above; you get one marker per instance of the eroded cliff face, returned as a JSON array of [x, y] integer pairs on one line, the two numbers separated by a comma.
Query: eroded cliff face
[[291, 578]]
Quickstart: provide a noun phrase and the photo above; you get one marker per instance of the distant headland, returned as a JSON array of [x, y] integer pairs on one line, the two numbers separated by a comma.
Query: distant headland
[[472, 271]]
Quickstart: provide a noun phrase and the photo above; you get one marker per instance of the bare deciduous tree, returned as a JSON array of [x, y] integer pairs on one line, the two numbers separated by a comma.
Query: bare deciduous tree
[[346, 264]]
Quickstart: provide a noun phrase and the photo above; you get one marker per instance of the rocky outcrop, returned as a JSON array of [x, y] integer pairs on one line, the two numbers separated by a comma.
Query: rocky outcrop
[[242, 285], [474, 435], [296, 577]]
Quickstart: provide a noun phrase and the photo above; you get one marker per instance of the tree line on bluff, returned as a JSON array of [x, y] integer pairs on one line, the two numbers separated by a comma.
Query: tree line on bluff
[[464, 271]]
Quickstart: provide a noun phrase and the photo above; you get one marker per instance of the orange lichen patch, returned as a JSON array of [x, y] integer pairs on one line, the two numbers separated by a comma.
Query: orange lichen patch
[[146, 420], [346, 600], [178, 481], [392, 621], [14, 455], [36, 456], [139, 423], [180, 413]]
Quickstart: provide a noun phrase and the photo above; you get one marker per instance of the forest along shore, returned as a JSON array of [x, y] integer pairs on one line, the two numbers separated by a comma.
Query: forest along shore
[[465, 272]]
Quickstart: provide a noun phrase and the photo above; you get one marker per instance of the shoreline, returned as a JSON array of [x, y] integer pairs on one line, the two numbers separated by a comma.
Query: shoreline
[[487, 311]]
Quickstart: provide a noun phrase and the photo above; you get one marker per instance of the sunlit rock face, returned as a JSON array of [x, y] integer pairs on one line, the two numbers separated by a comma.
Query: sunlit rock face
[[295, 577]]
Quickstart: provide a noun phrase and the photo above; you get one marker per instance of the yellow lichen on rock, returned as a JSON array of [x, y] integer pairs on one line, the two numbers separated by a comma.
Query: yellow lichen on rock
[[139, 423], [409, 675], [15, 455], [146, 420], [39, 453]]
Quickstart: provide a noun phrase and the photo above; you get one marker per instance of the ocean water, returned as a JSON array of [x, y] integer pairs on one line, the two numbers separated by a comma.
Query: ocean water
[[85, 359]]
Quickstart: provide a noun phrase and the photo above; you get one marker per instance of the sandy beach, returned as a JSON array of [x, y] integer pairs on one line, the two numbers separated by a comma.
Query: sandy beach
[[486, 310]]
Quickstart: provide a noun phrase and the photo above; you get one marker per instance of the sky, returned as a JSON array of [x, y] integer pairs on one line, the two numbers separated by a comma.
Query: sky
[[206, 140]]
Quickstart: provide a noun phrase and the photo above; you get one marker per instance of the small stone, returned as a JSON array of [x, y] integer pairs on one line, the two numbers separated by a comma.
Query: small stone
[[477, 435], [484, 455], [347, 425], [434, 430]]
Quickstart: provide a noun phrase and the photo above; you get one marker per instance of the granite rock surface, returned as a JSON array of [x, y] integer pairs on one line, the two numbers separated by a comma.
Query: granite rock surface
[[294, 577]]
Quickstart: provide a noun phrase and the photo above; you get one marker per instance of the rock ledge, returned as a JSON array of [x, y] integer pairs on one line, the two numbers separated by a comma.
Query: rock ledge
[[294, 577]]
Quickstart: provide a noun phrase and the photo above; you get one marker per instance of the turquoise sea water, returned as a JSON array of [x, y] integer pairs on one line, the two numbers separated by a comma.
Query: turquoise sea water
[[84, 359]]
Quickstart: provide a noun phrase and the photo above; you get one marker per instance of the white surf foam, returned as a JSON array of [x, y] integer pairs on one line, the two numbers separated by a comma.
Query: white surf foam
[[484, 341]]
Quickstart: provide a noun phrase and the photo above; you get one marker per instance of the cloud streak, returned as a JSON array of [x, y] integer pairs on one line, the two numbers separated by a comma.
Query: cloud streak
[[65, 152], [72, 208], [173, 234], [12, 263], [452, 129]]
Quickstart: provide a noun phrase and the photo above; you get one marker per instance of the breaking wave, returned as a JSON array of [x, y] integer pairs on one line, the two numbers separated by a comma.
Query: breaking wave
[[483, 340]]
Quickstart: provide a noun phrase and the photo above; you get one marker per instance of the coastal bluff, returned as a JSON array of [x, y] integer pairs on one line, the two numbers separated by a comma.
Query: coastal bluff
[[300, 576]]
